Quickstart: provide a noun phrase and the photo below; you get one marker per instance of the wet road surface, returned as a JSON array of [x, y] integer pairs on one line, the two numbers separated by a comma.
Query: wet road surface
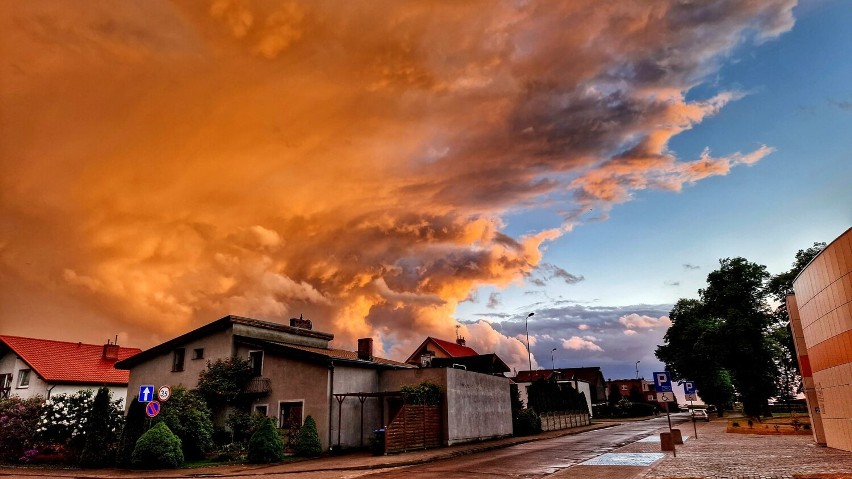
[[535, 459]]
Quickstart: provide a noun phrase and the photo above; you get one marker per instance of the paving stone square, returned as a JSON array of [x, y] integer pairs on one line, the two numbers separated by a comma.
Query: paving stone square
[[624, 459]]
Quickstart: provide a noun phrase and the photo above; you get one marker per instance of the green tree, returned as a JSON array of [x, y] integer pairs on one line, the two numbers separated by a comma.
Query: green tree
[[223, 383], [187, 415], [694, 349], [134, 427], [158, 448], [99, 447], [723, 339], [307, 442], [636, 395], [265, 445]]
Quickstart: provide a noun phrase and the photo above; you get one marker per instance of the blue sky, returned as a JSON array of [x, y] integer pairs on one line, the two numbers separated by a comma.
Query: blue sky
[[799, 101]]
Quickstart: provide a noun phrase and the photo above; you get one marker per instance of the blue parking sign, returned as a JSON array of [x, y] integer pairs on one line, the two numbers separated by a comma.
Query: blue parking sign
[[688, 387], [663, 382]]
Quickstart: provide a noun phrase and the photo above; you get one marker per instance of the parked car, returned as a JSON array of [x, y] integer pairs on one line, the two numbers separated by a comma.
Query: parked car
[[700, 415]]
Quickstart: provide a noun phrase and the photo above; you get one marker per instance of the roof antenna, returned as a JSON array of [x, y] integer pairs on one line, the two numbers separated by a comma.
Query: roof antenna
[[457, 331]]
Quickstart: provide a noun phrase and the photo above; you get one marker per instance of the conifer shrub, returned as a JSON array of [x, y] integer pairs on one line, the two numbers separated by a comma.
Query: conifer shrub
[[158, 448], [133, 428], [265, 445], [99, 448], [307, 442]]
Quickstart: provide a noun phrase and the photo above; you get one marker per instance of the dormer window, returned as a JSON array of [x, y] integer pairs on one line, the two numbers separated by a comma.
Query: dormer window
[[177, 359]]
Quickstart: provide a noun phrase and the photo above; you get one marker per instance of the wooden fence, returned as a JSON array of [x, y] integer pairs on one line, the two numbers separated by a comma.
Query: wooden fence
[[414, 427]]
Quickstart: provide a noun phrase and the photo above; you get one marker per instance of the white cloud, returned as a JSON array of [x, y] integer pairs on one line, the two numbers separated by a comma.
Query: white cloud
[[630, 332], [577, 343], [583, 327], [633, 321]]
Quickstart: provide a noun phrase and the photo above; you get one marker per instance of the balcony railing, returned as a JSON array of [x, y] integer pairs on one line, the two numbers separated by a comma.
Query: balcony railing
[[258, 385]]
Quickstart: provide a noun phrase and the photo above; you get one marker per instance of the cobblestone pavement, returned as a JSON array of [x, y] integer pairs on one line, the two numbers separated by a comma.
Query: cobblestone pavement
[[717, 454]]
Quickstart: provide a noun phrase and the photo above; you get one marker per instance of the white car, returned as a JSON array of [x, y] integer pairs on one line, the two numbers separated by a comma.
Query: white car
[[700, 415]]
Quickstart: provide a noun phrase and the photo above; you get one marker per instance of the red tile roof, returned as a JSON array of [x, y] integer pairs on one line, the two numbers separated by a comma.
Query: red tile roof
[[63, 362], [453, 350]]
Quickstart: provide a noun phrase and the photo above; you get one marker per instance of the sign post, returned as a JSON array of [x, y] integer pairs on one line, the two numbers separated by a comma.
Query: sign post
[[689, 391], [663, 385]]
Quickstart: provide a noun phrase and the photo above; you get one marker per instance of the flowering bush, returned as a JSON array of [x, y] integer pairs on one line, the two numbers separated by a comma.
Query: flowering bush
[[18, 418], [64, 416]]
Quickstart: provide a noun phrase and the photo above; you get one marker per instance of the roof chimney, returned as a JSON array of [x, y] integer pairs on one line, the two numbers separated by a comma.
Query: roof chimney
[[365, 349], [460, 341], [301, 322], [110, 352]]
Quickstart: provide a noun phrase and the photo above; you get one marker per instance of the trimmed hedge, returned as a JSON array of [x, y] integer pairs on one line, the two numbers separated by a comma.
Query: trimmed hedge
[[158, 448]]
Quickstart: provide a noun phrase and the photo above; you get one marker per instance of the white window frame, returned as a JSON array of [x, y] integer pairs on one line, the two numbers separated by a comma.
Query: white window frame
[[283, 401], [21, 377], [254, 408], [262, 359]]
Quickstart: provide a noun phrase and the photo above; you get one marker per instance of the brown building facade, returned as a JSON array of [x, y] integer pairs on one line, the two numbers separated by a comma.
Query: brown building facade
[[821, 317]]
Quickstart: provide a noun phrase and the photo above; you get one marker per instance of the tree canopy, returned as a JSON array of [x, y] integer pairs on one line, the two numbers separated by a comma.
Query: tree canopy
[[731, 340]]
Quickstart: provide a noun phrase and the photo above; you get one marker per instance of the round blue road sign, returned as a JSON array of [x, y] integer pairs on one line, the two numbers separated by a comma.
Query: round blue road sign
[[152, 408]]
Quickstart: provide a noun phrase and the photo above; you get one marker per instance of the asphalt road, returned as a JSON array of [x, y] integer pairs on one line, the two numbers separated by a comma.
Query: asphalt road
[[534, 459]]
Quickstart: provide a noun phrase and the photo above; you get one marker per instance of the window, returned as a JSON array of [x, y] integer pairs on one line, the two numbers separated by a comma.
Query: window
[[198, 353], [624, 387], [256, 358], [177, 360], [24, 378], [290, 418], [261, 409], [650, 397], [5, 385]]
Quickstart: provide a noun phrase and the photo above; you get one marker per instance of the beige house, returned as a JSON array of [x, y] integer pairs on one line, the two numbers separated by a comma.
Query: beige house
[[296, 373]]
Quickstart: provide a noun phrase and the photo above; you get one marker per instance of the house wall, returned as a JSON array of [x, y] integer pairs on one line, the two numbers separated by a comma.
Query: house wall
[[293, 380], [476, 406], [355, 380], [158, 372], [824, 299], [10, 363]]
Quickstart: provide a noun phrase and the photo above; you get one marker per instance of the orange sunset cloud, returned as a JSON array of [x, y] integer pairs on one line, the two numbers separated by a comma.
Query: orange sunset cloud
[[165, 164]]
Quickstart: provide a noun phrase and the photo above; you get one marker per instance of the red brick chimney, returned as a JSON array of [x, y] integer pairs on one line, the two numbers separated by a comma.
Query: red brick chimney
[[110, 351], [365, 349]]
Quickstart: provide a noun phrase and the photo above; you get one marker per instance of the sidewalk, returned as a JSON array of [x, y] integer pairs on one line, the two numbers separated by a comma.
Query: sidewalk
[[715, 454]]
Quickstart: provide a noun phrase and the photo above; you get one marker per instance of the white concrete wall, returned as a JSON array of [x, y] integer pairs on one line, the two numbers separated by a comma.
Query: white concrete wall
[[355, 380], [476, 406]]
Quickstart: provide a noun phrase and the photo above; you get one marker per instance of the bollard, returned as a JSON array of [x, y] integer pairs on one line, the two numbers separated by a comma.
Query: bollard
[[676, 436], [666, 443]]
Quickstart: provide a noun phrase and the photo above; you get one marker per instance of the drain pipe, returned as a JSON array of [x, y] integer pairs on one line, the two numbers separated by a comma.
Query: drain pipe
[[330, 400]]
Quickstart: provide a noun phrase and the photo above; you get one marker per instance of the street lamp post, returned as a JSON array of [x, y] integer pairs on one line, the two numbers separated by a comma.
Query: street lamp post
[[526, 326], [552, 364], [637, 368]]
